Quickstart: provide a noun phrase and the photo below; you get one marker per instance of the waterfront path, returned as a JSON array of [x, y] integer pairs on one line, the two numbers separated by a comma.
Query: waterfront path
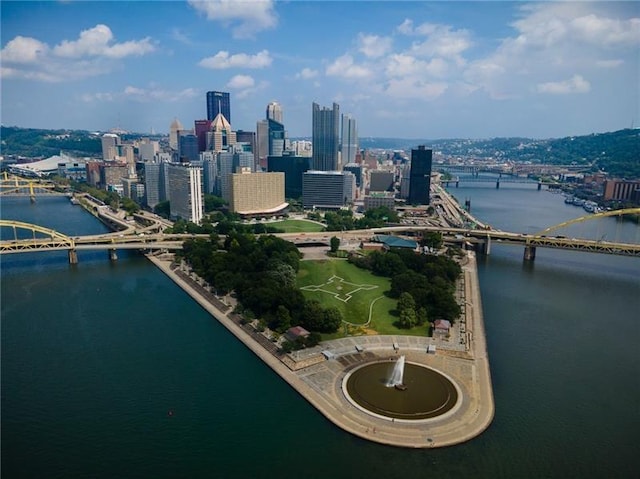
[[319, 380]]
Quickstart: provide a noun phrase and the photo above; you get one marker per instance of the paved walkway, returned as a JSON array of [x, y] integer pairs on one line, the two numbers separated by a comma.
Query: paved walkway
[[321, 381]]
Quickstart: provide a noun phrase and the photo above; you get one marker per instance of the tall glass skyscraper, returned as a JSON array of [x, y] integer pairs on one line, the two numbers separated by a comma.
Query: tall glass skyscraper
[[218, 102], [349, 140], [420, 176], [325, 137]]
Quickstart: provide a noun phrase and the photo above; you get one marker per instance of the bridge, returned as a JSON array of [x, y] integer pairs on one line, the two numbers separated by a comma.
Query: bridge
[[45, 239], [17, 186]]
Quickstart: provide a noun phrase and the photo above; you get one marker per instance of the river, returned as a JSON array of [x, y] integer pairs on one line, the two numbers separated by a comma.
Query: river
[[110, 370]]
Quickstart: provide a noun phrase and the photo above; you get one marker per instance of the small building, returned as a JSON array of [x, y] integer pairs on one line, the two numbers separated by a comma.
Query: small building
[[441, 326], [390, 241], [431, 349], [296, 332]]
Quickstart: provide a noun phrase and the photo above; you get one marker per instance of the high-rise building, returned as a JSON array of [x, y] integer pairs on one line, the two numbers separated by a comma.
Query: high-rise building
[[380, 180], [325, 137], [209, 167], [221, 135], [174, 128], [276, 138], [229, 162], [293, 168], [349, 140], [110, 143], [188, 148], [356, 170], [256, 193], [274, 112], [201, 128], [185, 187], [218, 102], [327, 189], [420, 176], [153, 186]]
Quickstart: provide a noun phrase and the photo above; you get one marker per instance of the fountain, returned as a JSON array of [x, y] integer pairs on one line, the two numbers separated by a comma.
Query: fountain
[[395, 380], [410, 392]]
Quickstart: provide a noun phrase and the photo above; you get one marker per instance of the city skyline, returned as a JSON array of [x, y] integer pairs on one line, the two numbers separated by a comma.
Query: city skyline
[[402, 69]]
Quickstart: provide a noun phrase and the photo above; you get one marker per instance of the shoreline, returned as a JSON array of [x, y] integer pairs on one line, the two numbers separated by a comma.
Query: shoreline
[[319, 380]]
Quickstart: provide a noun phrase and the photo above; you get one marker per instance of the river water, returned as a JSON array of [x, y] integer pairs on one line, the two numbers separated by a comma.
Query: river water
[[110, 370]]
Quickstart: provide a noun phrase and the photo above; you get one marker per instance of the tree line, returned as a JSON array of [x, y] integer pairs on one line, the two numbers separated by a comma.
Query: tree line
[[261, 271]]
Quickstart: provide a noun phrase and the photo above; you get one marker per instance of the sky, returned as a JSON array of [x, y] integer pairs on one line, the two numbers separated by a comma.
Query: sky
[[402, 69]]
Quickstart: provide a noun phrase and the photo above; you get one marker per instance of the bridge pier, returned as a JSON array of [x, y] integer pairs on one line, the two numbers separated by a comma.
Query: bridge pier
[[113, 254], [529, 253], [497, 184], [539, 186], [73, 256], [457, 183]]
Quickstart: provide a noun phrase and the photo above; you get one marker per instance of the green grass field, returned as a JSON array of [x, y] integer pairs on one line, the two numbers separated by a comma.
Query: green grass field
[[355, 292], [297, 226]]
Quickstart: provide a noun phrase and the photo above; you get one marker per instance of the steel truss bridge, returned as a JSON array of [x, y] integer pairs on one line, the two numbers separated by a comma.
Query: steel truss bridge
[[45, 239], [17, 186]]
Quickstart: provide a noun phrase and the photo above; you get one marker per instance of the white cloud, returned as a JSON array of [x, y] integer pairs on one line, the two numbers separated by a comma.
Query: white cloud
[[92, 54], [406, 27], [609, 63], [222, 60], [240, 82], [247, 16], [442, 41], [373, 46], [96, 42], [23, 50], [412, 88], [141, 95], [575, 84], [344, 67], [307, 74], [402, 64]]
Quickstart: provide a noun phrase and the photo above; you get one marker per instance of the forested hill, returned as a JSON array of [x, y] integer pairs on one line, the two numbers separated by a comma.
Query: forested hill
[[35, 143], [617, 153]]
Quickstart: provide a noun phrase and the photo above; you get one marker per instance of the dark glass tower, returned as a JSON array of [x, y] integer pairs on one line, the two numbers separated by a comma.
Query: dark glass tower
[[218, 102], [420, 176], [325, 137]]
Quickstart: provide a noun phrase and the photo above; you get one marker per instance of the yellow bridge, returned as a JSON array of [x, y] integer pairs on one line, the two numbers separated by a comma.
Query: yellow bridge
[[17, 186], [28, 238]]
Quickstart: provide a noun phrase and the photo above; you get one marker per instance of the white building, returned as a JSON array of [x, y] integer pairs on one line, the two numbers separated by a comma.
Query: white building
[[185, 191]]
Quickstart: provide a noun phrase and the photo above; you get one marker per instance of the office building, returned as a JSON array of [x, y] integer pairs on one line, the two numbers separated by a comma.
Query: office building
[[185, 191], [110, 144], [209, 161], [188, 147], [276, 138], [420, 176], [380, 180], [249, 137], [201, 128], [302, 148], [256, 193], [111, 174], [293, 167], [376, 199], [229, 162], [327, 189], [174, 128], [274, 112], [348, 140], [262, 141], [325, 137], [218, 102], [153, 184], [622, 190], [356, 170], [221, 136]]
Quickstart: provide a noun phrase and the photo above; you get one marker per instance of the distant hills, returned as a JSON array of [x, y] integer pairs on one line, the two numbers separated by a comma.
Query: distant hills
[[617, 153]]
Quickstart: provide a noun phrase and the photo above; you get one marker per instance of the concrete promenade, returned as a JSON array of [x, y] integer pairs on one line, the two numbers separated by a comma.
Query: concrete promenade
[[319, 380]]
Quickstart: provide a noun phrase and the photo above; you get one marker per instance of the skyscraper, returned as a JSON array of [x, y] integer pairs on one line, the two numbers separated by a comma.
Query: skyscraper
[[218, 102], [274, 111], [276, 138], [349, 140], [420, 176], [325, 137]]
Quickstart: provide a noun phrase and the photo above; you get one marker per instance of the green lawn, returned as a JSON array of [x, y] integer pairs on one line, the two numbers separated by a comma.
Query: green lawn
[[295, 226], [354, 292]]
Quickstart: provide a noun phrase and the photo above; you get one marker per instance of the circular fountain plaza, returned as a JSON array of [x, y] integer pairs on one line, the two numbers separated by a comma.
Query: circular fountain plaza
[[400, 390]]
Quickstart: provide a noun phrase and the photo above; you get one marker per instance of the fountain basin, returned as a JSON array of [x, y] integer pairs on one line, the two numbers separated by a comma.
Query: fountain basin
[[425, 393]]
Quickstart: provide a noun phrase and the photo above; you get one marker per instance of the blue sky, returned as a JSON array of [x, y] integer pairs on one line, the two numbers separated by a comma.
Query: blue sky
[[405, 69]]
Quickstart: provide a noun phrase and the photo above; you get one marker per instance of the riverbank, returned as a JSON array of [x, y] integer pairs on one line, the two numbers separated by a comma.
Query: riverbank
[[319, 380]]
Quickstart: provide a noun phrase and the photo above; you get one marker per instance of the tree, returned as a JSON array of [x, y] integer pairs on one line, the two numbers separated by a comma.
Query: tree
[[335, 244], [332, 320], [432, 239], [407, 319], [405, 302]]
